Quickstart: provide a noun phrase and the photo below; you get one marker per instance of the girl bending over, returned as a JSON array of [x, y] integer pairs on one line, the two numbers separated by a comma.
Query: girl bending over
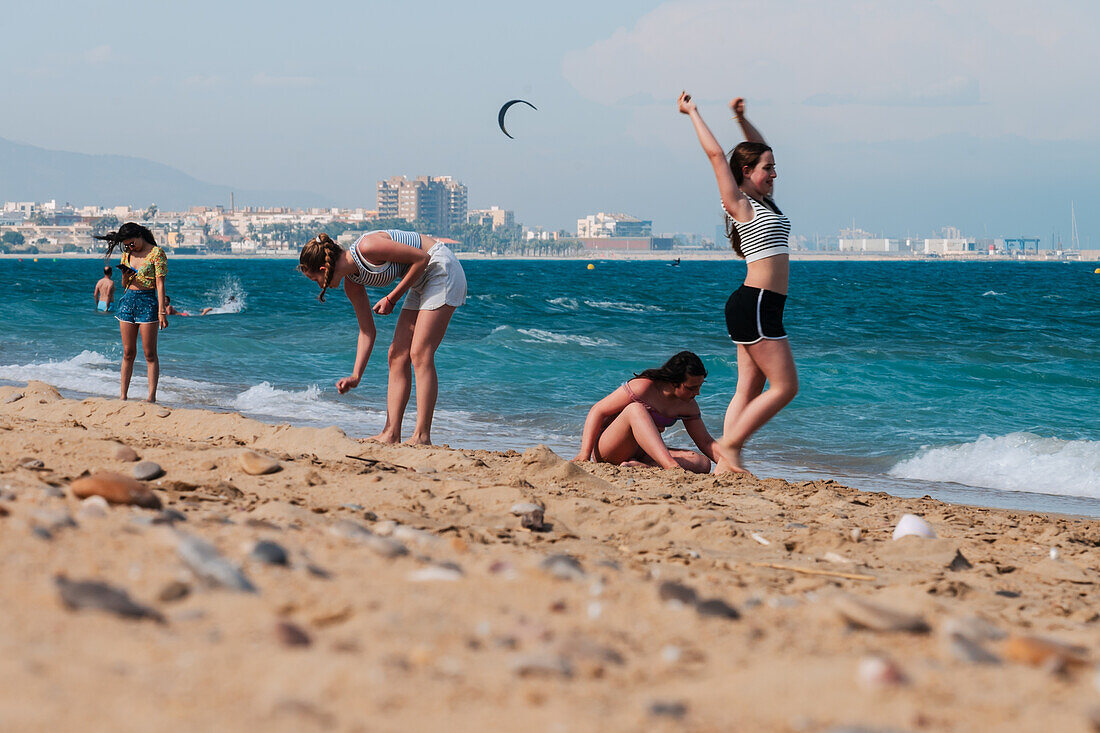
[[625, 427], [435, 283]]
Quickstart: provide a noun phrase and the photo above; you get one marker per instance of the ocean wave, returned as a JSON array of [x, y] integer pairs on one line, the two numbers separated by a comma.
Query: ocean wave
[[1013, 462], [991, 292], [565, 302], [610, 305], [307, 404], [89, 372], [538, 335], [92, 373]]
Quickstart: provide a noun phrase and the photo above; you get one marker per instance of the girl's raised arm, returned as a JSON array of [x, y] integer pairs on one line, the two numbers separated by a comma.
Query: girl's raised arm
[[737, 106], [736, 203]]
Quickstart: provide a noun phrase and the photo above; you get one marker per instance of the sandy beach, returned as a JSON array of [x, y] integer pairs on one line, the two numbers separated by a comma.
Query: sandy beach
[[400, 588]]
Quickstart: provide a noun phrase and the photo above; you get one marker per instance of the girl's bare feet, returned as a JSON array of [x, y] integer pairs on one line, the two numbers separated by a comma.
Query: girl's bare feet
[[385, 437], [417, 439], [729, 459]]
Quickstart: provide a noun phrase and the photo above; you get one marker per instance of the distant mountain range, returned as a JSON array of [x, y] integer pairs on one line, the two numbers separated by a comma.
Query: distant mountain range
[[29, 173]]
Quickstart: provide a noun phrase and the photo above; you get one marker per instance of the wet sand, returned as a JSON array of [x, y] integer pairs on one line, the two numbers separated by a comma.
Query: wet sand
[[415, 598]]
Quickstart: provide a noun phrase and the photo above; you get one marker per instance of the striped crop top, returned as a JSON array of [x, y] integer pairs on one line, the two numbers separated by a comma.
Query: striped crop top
[[765, 235], [374, 276]]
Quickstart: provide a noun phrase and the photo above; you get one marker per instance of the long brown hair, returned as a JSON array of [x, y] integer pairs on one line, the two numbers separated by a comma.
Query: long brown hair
[[677, 369], [746, 154], [320, 252]]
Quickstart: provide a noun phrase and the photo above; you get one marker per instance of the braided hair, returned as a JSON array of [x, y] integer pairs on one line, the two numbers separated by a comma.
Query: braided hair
[[320, 252]]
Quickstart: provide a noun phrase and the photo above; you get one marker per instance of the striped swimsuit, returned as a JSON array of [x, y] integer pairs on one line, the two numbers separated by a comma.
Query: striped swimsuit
[[374, 276], [765, 235]]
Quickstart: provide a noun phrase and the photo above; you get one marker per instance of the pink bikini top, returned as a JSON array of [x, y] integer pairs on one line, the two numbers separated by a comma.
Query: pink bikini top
[[661, 420]]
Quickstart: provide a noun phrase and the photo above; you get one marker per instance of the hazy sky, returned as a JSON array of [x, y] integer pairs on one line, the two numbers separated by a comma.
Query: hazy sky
[[900, 116]]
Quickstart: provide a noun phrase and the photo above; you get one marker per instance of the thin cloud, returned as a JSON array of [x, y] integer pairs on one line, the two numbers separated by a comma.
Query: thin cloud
[[98, 55], [263, 79], [1008, 66], [955, 92]]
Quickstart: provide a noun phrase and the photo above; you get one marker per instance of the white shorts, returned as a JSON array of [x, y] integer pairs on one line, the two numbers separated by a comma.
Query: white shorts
[[443, 283]]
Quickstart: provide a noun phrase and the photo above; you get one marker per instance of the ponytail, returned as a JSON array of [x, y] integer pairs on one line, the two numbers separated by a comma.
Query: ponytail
[[320, 252]]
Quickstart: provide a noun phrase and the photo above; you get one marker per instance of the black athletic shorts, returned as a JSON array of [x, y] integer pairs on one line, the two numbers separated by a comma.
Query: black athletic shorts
[[753, 314]]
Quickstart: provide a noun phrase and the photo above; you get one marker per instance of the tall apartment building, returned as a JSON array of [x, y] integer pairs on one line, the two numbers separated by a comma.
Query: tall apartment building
[[438, 201]]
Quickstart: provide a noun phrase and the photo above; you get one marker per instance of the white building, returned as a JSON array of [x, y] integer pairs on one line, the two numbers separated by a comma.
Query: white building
[[870, 245], [949, 245], [613, 225]]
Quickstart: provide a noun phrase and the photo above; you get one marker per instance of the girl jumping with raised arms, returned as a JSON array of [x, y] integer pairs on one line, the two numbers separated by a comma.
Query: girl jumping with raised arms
[[435, 283], [758, 232]]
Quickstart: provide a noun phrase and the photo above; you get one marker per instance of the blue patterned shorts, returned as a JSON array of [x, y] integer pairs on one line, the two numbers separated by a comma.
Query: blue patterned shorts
[[138, 306]]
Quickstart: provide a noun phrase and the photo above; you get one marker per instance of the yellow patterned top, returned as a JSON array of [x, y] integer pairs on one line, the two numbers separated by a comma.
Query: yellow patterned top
[[154, 266]]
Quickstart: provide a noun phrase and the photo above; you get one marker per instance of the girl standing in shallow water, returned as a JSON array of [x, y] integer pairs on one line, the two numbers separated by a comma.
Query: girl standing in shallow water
[[436, 284], [758, 232], [143, 307]]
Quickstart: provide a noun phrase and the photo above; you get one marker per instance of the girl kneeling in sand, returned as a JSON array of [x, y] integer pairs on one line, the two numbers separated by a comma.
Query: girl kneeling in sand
[[625, 427], [436, 284]]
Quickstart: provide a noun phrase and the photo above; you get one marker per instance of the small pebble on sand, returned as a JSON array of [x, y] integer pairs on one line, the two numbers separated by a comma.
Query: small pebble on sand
[[147, 471], [257, 464], [290, 634], [878, 672], [81, 594], [174, 591], [115, 488], [668, 709], [93, 507], [672, 592], [563, 566], [910, 525], [207, 563], [269, 553], [716, 608], [125, 453]]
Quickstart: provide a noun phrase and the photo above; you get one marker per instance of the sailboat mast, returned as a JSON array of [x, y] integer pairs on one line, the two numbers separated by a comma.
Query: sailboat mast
[[1075, 240]]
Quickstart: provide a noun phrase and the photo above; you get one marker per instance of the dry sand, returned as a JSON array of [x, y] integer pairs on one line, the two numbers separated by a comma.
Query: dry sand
[[470, 630]]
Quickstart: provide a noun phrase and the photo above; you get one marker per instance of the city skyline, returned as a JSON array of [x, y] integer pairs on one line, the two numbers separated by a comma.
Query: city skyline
[[903, 118]]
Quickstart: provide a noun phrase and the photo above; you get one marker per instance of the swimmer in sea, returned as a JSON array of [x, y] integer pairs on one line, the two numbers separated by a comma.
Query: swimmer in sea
[[104, 292]]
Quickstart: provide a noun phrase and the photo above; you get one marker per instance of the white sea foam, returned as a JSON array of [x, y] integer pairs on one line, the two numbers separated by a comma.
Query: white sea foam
[[308, 404], [538, 335], [1013, 462], [565, 302], [89, 372], [991, 292], [610, 305], [229, 295]]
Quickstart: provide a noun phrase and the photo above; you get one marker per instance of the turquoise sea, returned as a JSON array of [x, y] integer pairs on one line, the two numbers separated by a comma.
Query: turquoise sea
[[972, 382]]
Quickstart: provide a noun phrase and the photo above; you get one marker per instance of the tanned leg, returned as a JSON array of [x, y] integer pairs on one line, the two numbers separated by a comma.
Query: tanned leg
[[400, 381], [149, 333], [129, 332], [428, 334], [774, 359]]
